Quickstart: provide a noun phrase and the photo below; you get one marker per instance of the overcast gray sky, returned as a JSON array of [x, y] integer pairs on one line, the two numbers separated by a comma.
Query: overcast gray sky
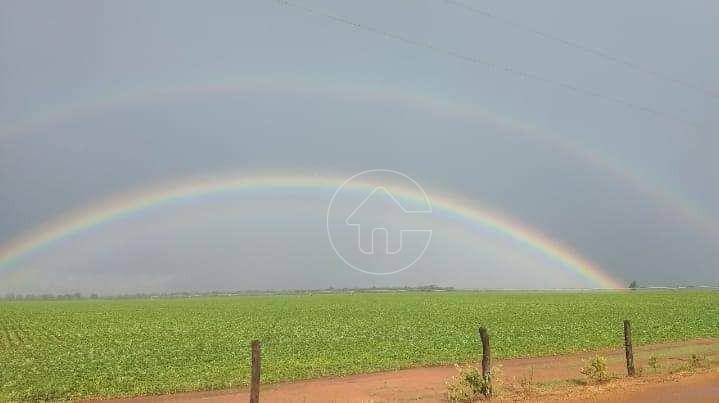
[[100, 98]]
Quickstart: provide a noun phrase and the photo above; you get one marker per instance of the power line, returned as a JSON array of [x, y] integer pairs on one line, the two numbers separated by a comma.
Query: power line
[[584, 48], [487, 63]]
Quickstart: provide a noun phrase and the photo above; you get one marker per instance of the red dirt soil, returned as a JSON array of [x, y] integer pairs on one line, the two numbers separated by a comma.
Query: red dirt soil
[[429, 384], [698, 388]]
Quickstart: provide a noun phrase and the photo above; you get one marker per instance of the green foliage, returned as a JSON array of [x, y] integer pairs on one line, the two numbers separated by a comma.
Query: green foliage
[[468, 385], [67, 349], [596, 370]]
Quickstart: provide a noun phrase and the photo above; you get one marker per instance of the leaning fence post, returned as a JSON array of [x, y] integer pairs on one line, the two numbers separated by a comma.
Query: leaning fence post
[[255, 381], [486, 359], [628, 348]]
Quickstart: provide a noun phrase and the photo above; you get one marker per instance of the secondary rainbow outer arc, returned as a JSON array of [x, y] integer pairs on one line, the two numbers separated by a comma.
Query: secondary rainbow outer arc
[[689, 211], [119, 207]]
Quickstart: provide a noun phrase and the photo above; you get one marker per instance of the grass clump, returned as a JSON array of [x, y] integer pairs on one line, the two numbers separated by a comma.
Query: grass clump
[[653, 363], [596, 370], [696, 361], [653, 366], [468, 385], [693, 363]]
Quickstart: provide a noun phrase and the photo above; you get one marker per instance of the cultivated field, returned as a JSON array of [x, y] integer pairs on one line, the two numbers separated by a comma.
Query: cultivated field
[[84, 348]]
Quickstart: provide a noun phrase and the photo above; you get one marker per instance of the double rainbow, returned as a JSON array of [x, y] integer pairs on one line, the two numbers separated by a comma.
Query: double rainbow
[[116, 208], [686, 210]]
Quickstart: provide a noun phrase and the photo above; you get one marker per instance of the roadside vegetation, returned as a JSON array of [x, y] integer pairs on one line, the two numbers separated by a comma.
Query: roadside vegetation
[[596, 370], [468, 385]]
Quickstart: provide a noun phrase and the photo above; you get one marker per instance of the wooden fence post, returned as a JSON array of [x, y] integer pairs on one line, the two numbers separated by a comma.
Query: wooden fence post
[[628, 348], [255, 381], [486, 359]]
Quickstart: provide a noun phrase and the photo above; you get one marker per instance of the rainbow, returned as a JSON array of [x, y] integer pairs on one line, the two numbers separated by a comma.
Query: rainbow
[[119, 207], [440, 105]]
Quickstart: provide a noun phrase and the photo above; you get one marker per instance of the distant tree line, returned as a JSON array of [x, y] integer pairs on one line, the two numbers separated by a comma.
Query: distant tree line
[[189, 294]]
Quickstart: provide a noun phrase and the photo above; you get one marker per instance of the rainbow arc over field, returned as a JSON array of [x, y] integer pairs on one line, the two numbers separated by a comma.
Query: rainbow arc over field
[[687, 212], [118, 207]]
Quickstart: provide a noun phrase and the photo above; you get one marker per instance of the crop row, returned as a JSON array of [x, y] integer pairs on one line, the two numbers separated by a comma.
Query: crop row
[[86, 348]]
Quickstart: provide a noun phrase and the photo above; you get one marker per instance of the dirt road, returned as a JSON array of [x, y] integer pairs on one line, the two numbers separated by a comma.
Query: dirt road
[[697, 388]]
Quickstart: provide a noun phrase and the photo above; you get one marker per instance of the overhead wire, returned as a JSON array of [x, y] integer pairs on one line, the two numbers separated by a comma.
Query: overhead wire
[[489, 64], [584, 48]]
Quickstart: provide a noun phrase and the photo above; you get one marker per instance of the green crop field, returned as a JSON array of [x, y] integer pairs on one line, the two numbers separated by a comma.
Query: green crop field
[[84, 348]]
